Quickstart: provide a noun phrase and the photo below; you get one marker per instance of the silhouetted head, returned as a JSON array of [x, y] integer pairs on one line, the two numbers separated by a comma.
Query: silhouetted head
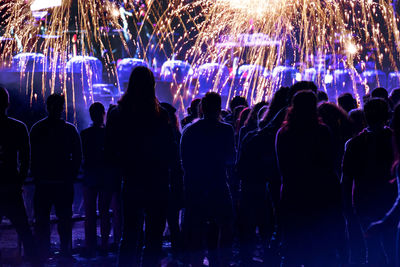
[[194, 107], [238, 101], [336, 118], [395, 96], [301, 86], [357, 118], [278, 102], [55, 105], [4, 101], [140, 94], [97, 113], [376, 112], [252, 118], [322, 96], [380, 92], [347, 102], [303, 112], [242, 118], [211, 105]]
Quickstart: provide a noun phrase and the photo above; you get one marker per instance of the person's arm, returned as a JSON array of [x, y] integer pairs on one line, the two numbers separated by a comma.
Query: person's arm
[[24, 154]]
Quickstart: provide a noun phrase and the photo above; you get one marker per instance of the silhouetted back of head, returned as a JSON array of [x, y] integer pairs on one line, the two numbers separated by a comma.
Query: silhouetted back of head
[[194, 107], [302, 86], [140, 94], [211, 105], [303, 112], [4, 100], [97, 113], [376, 112], [238, 101], [380, 92], [55, 105], [347, 102]]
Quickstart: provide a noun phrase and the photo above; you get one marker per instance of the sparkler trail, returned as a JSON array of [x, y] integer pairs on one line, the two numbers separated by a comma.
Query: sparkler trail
[[272, 37]]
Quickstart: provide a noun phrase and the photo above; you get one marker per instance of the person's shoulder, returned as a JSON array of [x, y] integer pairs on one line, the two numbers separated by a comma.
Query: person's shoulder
[[16, 123], [70, 126], [39, 124], [192, 126], [357, 140]]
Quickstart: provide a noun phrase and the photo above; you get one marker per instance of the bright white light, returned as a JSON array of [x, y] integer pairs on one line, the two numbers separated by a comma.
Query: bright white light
[[43, 4], [328, 78], [351, 48], [298, 77]]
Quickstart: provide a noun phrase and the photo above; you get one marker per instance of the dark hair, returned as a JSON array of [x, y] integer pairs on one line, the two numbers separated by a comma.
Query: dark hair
[[211, 105], [302, 114], [301, 86], [4, 99], [380, 92], [194, 107], [347, 102], [55, 105], [242, 118], [238, 101], [97, 112], [337, 120], [278, 102], [141, 92], [252, 118], [55, 100], [376, 112], [357, 118]]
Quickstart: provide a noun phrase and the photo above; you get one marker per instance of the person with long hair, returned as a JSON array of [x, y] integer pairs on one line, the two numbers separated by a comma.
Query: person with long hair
[[310, 221], [140, 141]]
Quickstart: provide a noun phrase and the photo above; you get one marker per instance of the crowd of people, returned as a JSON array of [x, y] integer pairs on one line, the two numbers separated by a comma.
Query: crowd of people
[[301, 180]]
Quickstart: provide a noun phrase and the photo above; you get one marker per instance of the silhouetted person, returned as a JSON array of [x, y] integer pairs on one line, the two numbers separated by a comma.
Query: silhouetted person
[[98, 186], [340, 125], [385, 229], [278, 102], [193, 112], [208, 151], [368, 187], [56, 157], [14, 164], [347, 102], [310, 208], [175, 202], [233, 104], [140, 141], [380, 92], [251, 122], [358, 121]]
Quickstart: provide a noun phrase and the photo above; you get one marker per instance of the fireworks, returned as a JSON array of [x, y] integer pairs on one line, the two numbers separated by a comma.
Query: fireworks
[[278, 42]]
